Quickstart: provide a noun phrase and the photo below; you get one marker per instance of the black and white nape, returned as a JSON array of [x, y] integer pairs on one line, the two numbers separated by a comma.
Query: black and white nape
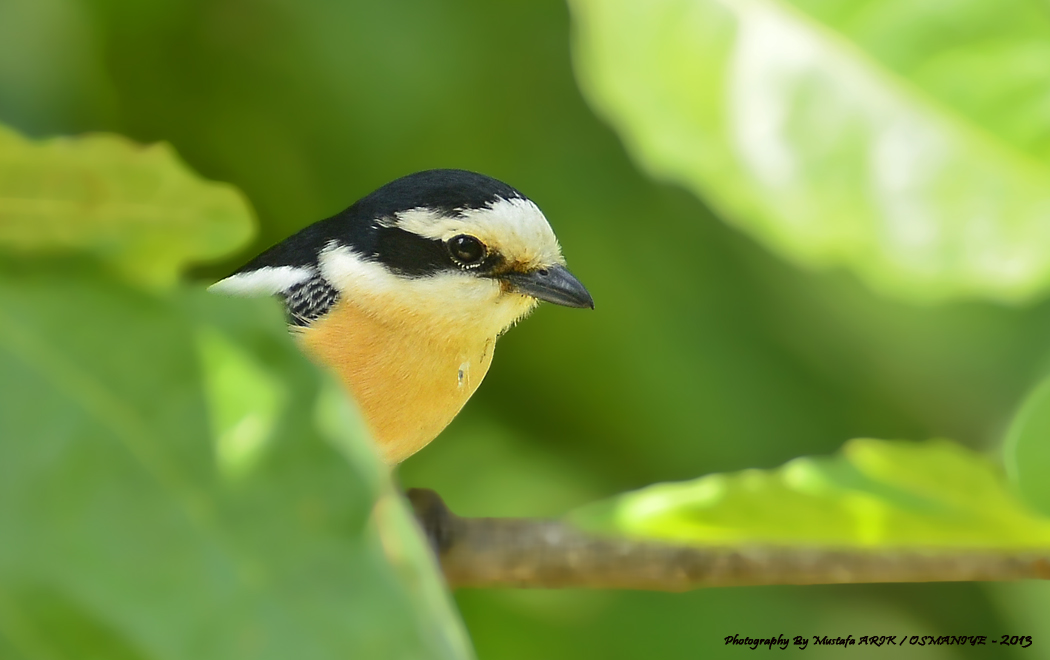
[[307, 301], [306, 294]]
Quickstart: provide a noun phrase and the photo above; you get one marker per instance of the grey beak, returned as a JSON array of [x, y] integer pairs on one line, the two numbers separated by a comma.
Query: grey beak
[[554, 284]]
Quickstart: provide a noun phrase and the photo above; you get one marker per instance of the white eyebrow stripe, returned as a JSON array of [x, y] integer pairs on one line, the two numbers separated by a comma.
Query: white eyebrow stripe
[[389, 222], [514, 227], [508, 215], [265, 281]]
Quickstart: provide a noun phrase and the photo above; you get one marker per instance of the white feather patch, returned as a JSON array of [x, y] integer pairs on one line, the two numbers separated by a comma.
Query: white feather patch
[[516, 228], [265, 281], [454, 301]]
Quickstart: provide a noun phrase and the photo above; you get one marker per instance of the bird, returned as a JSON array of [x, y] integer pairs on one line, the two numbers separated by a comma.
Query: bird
[[404, 294]]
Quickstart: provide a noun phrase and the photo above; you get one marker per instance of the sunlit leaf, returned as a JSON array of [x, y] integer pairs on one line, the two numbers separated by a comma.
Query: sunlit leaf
[[132, 530], [244, 401], [906, 141], [138, 207], [1027, 448], [873, 494]]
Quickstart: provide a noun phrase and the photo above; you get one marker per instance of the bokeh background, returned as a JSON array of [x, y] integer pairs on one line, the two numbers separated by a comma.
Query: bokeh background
[[706, 352]]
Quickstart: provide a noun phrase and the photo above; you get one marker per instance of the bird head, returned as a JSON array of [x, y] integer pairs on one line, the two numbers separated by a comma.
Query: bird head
[[448, 248], [448, 252]]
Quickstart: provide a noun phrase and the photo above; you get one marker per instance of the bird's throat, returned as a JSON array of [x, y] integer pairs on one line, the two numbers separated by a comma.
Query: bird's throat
[[409, 383]]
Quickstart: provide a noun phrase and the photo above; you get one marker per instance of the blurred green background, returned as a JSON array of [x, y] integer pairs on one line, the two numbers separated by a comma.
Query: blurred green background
[[706, 351]]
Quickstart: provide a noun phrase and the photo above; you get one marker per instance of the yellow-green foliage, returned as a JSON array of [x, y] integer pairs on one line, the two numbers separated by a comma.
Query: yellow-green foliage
[[176, 480], [844, 133], [137, 206], [874, 494]]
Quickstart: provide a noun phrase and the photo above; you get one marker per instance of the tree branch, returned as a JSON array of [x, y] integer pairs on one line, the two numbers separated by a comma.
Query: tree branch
[[525, 552]]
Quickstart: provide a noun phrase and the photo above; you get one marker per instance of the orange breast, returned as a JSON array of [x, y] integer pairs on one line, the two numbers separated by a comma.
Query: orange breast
[[408, 385]]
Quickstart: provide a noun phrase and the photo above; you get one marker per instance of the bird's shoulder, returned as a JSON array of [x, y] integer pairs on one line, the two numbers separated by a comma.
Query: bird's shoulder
[[290, 270], [309, 299]]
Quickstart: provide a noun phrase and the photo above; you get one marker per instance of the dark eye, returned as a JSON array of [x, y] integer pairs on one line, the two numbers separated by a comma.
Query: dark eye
[[466, 250]]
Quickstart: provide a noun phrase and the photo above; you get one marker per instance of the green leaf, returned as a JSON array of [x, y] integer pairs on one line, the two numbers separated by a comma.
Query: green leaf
[[141, 520], [874, 494], [138, 207], [906, 141], [244, 399], [1027, 448]]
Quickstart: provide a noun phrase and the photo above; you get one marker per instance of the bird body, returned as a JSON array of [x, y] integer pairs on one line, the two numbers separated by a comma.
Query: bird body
[[408, 383], [405, 293]]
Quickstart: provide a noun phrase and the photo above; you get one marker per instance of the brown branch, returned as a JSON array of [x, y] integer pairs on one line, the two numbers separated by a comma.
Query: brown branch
[[524, 552]]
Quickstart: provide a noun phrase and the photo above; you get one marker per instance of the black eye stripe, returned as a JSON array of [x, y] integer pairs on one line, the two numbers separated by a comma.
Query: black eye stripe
[[409, 254], [412, 255]]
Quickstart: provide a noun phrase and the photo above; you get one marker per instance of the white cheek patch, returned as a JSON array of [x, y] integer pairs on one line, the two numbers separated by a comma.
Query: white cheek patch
[[514, 227], [452, 300], [265, 281]]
